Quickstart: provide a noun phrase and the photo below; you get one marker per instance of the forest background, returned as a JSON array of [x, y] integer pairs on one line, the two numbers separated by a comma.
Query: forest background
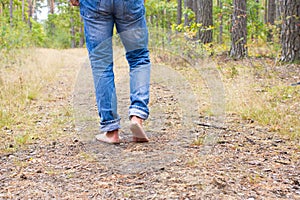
[[233, 60], [222, 25], [266, 32]]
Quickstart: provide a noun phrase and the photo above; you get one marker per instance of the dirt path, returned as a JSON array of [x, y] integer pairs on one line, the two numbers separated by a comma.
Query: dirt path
[[246, 162]]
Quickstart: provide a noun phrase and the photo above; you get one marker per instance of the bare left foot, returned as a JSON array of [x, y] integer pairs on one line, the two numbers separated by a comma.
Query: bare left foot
[[111, 137]]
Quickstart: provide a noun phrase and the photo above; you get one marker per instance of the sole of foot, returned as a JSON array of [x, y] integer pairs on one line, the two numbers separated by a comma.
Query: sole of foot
[[138, 132]]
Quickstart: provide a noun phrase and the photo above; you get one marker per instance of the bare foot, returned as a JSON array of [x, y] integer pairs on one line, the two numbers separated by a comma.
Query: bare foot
[[137, 130], [111, 137]]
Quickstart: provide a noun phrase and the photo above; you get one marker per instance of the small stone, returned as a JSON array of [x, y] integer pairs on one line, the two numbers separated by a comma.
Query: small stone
[[23, 176]]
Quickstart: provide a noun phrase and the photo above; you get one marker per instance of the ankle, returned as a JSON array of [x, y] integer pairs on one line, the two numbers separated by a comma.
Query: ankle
[[137, 119], [114, 133]]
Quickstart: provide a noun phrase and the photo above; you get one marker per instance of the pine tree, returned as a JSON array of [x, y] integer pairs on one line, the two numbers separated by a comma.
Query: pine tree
[[290, 31], [239, 29]]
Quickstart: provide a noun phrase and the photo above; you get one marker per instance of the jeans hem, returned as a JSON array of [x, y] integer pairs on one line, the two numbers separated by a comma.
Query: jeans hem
[[138, 112], [110, 125]]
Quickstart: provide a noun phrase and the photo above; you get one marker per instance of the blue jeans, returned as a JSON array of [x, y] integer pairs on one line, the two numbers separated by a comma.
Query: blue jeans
[[99, 18]]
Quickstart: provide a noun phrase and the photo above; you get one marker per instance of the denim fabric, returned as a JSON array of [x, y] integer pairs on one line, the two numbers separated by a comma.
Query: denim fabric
[[100, 16]]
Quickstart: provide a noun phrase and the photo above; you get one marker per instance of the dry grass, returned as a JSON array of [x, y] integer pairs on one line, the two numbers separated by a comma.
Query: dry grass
[[34, 83], [36, 87], [258, 90]]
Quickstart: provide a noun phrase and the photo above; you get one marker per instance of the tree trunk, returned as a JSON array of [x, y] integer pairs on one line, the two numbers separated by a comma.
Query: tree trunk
[[51, 11], [205, 18], [29, 13], [194, 4], [179, 11], [239, 29], [257, 9], [51, 5], [279, 6], [11, 12], [290, 31], [220, 4], [271, 12], [33, 9], [266, 11], [23, 10], [73, 41], [271, 15]]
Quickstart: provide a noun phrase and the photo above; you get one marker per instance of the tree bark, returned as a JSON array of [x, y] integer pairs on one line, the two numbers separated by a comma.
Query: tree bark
[[11, 12], [179, 11], [279, 6], [23, 10], [73, 41], [194, 4], [266, 10], [51, 6], [239, 29], [205, 18], [271, 12], [270, 17], [290, 31], [29, 13], [220, 4], [255, 34], [33, 9]]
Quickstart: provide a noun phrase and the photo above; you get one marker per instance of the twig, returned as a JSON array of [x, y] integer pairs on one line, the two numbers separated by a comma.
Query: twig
[[210, 125]]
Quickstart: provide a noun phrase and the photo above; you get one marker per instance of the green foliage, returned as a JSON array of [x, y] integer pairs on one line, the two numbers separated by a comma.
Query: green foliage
[[63, 29], [161, 14], [256, 27], [23, 32], [18, 34], [222, 15], [58, 27]]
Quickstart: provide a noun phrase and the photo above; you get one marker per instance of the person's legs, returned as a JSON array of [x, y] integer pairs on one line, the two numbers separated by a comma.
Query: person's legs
[[131, 25], [99, 23]]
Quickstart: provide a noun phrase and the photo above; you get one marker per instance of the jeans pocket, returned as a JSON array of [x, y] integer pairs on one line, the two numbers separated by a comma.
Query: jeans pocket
[[88, 8], [133, 9]]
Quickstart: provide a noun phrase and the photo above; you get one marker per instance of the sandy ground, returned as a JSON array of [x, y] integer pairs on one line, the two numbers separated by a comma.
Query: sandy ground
[[236, 160]]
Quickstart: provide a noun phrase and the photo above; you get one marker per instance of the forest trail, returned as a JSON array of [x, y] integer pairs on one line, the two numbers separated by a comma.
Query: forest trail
[[245, 162]]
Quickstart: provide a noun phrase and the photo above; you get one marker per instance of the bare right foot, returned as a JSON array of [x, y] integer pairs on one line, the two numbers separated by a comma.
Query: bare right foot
[[137, 130]]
